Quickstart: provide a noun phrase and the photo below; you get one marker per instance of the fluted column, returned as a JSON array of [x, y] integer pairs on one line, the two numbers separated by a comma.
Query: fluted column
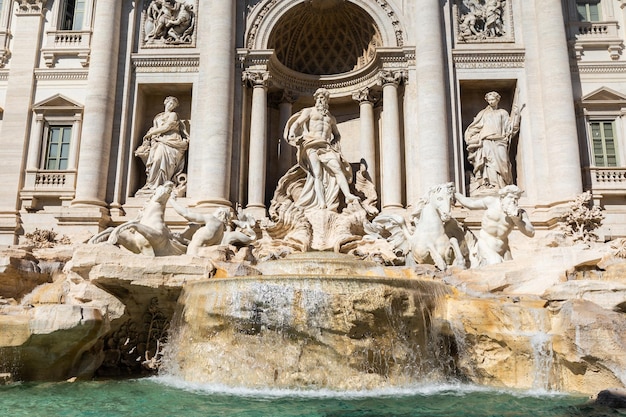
[[95, 148], [562, 151], [259, 81], [368, 133], [391, 151], [286, 156], [429, 162], [210, 147], [26, 43]]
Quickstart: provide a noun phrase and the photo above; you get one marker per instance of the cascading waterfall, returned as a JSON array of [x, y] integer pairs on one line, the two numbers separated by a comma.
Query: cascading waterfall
[[544, 360], [336, 329]]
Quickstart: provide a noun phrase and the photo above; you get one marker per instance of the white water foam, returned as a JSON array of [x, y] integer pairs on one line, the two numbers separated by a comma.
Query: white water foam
[[433, 389]]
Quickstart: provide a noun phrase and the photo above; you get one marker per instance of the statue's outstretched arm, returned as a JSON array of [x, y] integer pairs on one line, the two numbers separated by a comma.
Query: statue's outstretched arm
[[470, 203], [522, 221], [184, 211]]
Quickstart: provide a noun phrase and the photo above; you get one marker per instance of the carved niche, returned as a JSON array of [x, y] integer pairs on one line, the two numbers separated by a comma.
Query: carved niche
[[484, 21], [168, 23]]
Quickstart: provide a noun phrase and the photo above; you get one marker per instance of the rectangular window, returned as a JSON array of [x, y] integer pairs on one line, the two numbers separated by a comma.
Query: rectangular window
[[58, 147], [72, 14], [603, 143], [588, 10]]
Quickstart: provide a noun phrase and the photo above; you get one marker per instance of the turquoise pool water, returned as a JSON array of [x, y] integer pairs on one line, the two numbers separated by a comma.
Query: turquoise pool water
[[162, 397]]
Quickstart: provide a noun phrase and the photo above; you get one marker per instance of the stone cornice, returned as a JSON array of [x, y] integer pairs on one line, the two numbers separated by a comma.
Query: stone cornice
[[61, 74], [183, 63], [4, 75], [488, 59], [600, 68], [339, 85]]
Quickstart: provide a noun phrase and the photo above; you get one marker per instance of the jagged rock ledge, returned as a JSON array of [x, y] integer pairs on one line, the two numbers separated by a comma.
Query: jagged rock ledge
[[553, 318]]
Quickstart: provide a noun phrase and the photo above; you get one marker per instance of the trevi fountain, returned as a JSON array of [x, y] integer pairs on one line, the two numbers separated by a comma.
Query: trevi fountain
[[312, 208], [326, 296]]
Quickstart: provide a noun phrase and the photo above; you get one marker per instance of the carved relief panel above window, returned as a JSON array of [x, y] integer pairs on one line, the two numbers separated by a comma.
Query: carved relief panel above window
[[484, 21], [169, 23]]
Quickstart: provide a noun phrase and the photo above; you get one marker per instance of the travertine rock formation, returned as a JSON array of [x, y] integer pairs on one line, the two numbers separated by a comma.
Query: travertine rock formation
[[554, 321]]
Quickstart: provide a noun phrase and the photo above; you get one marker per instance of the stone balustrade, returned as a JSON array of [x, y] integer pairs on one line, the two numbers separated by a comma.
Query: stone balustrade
[[66, 43], [607, 180], [47, 184], [50, 179], [596, 35], [585, 30]]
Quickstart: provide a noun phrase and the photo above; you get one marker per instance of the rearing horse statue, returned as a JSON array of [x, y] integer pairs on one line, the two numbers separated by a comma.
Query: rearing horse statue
[[147, 234], [428, 243]]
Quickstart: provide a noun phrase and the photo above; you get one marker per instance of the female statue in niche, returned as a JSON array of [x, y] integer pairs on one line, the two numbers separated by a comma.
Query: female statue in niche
[[163, 147], [488, 138]]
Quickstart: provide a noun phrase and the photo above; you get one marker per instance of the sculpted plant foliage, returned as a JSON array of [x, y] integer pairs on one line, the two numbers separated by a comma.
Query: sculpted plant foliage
[[582, 219], [44, 238]]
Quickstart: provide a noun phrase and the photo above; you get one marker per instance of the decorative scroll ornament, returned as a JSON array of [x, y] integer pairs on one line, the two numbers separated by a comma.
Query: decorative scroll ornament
[[392, 77], [256, 78], [30, 6]]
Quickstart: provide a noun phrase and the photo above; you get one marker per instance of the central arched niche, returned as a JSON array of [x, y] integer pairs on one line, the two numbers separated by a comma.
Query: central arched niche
[[323, 37]]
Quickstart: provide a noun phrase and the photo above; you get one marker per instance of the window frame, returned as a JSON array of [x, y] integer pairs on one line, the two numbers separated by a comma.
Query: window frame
[[602, 121], [587, 17], [75, 24], [41, 185], [46, 144]]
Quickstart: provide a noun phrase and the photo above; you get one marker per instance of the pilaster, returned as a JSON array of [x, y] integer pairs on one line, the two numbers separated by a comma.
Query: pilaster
[[14, 133]]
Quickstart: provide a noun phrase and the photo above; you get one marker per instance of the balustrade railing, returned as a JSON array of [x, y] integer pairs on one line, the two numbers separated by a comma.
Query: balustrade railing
[[607, 179], [593, 30], [595, 35], [66, 43], [50, 179]]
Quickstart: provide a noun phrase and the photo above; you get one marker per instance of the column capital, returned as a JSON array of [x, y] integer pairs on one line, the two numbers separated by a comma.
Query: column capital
[[364, 95], [256, 78], [395, 77], [30, 7]]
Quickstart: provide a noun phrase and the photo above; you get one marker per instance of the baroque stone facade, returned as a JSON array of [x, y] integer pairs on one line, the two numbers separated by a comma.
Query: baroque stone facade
[[82, 83]]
